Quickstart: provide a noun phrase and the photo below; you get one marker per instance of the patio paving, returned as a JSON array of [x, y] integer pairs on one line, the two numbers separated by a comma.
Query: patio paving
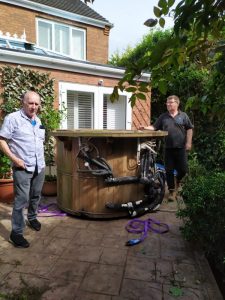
[[73, 258]]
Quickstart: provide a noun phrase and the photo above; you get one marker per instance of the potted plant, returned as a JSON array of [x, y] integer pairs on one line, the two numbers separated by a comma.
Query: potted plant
[[6, 180], [50, 119], [50, 183]]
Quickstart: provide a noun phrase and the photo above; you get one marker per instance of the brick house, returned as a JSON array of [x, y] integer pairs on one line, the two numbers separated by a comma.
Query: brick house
[[72, 44]]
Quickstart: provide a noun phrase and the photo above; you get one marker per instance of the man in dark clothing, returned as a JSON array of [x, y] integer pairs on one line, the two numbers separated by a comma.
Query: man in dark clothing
[[177, 142]]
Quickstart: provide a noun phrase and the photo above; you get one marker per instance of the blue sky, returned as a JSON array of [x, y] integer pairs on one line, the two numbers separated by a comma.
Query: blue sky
[[128, 17]]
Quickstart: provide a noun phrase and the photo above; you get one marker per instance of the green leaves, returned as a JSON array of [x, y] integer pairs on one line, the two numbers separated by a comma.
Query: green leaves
[[176, 291], [115, 94], [5, 167], [138, 92], [15, 82], [131, 89], [162, 22], [171, 3], [157, 12], [141, 96], [162, 86], [162, 9], [162, 3], [204, 196]]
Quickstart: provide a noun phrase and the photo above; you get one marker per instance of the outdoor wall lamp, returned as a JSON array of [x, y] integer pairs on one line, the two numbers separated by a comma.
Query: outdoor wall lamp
[[100, 82]]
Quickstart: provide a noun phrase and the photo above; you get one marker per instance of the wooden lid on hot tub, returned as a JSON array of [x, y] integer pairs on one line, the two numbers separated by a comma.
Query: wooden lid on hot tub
[[108, 133]]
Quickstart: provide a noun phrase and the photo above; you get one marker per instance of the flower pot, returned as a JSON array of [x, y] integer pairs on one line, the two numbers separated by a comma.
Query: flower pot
[[49, 188], [6, 190]]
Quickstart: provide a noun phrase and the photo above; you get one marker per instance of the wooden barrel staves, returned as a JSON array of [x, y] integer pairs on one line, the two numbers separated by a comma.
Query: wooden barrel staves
[[83, 192], [86, 194]]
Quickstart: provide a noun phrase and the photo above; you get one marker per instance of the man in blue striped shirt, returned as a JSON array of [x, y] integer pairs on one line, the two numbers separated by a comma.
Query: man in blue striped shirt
[[22, 140]]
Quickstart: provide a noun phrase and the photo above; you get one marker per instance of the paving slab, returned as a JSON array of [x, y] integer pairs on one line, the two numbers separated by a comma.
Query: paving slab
[[83, 259]]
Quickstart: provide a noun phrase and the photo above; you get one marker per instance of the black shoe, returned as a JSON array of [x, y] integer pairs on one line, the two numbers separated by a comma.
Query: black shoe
[[18, 240], [34, 224]]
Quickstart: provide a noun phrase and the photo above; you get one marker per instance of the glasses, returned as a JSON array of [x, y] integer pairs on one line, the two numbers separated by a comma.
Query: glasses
[[171, 102]]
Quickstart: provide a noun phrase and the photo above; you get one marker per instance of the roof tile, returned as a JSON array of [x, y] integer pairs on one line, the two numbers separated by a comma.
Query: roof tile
[[72, 6]]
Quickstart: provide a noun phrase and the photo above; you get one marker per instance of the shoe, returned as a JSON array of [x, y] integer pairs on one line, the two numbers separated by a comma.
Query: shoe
[[172, 196], [34, 224], [179, 186], [18, 240]]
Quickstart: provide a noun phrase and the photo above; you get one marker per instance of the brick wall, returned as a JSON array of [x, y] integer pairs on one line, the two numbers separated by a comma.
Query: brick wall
[[15, 19], [141, 111]]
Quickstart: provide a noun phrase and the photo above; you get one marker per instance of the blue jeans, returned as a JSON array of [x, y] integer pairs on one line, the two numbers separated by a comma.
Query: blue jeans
[[27, 189]]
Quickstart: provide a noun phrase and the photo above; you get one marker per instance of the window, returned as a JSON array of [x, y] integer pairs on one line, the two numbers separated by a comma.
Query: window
[[62, 38], [114, 113], [88, 106], [79, 110]]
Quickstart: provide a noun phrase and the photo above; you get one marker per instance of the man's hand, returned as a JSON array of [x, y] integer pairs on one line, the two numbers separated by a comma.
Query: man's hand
[[19, 163], [150, 127], [188, 146]]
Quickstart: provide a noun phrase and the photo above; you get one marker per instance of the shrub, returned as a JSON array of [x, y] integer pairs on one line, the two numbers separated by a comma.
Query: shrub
[[204, 222]]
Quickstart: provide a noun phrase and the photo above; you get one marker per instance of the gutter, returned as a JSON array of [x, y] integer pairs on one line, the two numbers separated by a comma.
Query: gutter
[[35, 60], [58, 12]]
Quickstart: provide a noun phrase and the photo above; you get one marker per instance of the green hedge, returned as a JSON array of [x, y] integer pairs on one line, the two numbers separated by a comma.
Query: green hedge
[[203, 216]]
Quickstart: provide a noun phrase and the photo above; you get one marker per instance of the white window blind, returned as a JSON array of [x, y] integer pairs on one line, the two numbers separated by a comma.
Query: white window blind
[[79, 110], [114, 114]]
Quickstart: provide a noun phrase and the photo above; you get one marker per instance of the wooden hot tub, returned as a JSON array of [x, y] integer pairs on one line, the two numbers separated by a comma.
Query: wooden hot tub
[[81, 193]]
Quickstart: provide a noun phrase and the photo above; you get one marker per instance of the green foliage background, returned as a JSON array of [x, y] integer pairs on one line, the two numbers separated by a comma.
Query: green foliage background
[[15, 81], [204, 214], [197, 87], [201, 91]]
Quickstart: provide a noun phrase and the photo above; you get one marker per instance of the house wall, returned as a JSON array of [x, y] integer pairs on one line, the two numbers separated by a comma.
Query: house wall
[[140, 113], [16, 19]]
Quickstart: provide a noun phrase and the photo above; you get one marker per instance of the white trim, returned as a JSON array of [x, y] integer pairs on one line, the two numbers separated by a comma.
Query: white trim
[[29, 59], [58, 12]]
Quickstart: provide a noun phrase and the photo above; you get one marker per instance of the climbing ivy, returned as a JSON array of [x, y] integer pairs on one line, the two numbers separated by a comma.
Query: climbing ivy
[[15, 81]]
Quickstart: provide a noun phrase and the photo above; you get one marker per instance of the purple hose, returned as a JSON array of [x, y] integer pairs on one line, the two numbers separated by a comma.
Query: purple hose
[[142, 227], [44, 209]]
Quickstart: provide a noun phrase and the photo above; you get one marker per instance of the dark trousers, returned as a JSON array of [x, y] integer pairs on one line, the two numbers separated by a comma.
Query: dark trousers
[[175, 159]]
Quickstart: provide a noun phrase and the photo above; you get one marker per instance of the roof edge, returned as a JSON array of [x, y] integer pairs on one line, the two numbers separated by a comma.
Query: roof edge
[[16, 57], [58, 12]]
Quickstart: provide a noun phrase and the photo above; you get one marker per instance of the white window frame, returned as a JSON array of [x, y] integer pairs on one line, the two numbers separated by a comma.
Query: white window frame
[[52, 23], [98, 94]]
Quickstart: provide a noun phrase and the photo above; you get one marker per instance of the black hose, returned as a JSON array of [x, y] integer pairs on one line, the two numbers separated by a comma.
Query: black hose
[[122, 180]]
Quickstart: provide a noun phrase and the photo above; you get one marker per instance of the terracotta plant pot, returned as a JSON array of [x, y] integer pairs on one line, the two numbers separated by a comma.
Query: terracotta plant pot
[[49, 188], [6, 190]]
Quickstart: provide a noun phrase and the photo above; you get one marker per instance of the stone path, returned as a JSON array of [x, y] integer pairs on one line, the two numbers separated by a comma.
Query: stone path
[[72, 258]]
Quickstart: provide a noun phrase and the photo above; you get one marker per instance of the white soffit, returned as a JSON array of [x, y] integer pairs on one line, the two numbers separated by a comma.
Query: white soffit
[[21, 58]]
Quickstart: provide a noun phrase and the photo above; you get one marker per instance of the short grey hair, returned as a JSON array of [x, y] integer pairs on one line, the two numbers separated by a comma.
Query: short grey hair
[[27, 93], [175, 98]]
